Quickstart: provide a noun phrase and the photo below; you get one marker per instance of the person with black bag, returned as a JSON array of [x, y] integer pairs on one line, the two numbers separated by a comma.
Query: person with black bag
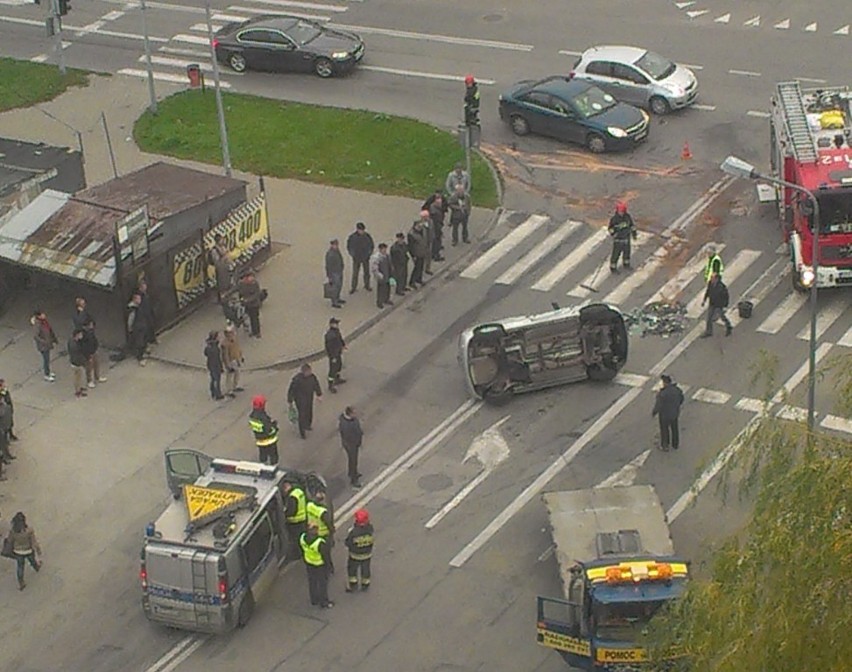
[[717, 294]]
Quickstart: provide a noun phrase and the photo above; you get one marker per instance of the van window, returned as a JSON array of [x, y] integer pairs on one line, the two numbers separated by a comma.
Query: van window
[[599, 68], [628, 74], [258, 544]]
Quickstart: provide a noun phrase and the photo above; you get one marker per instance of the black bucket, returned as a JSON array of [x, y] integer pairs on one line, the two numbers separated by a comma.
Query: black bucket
[[745, 308]]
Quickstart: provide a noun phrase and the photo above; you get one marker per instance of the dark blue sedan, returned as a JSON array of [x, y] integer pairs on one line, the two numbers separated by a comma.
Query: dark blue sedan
[[573, 111]]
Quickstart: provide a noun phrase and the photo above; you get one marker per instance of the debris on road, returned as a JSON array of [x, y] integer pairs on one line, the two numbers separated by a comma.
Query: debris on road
[[657, 319]]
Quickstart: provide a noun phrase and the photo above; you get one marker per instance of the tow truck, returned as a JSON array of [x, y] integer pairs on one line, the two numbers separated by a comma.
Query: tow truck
[[811, 136], [629, 573]]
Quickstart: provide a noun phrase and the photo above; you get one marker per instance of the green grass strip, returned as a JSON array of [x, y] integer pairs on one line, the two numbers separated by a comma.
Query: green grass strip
[[23, 83]]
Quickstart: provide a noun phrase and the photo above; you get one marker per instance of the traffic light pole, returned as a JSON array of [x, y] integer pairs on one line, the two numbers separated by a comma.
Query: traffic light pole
[[57, 35], [468, 141], [220, 110], [147, 43]]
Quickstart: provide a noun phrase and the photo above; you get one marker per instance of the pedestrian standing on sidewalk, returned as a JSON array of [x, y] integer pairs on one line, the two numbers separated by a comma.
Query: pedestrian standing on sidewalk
[[399, 264], [147, 310], [426, 225], [717, 294], [360, 247], [90, 347], [380, 268], [622, 229], [316, 552], [459, 206], [220, 259], [351, 437], [24, 546], [667, 409], [418, 247], [359, 541], [251, 296], [303, 387], [437, 207], [232, 360], [265, 431], [137, 329], [45, 339], [334, 347], [213, 358], [78, 360], [456, 178], [334, 272], [6, 456], [81, 316], [6, 396]]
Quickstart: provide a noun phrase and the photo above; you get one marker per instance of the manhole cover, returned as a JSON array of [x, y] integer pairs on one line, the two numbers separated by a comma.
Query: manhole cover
[[434, 482], [492, 17]]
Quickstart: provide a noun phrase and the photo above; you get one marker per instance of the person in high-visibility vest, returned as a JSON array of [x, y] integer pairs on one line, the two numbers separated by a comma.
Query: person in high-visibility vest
[[295, 513], [316, 552], [714, 265], [320, 516], [265, 431], [359, 541]]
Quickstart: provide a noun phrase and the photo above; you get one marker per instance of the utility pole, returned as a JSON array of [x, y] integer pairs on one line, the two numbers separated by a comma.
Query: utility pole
[[56, 9], [151, 93], [220, 110]]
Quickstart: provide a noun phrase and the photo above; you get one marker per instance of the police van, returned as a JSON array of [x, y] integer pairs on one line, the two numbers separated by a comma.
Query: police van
[[219, 544]]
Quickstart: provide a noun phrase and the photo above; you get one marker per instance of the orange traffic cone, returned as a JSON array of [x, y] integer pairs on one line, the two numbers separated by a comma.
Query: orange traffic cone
[[686, 153]]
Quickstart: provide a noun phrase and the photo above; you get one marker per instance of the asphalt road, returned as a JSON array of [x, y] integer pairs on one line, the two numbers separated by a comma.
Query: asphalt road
[[458, 596]]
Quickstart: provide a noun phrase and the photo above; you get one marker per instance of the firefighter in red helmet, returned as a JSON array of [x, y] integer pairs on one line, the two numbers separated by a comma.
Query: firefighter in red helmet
[[471, 101], [359, 541], [622, 229], [265, 431]]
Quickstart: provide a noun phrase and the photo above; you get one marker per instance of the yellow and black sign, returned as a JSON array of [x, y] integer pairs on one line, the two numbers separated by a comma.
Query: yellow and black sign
[[245, 232], [557, 640], [205, 503], [621, 655]]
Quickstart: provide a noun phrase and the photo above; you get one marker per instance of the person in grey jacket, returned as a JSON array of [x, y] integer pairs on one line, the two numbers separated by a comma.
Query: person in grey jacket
[[334, 272], [459, 206], [380, 269], [667, 408], [457, 176], [351, 437], [426, 223]]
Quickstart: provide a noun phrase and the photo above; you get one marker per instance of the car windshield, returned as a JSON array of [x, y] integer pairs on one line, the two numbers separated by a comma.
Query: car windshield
[[593, 101], [835, 212], [655, 65], [623, 622], [303, 32]]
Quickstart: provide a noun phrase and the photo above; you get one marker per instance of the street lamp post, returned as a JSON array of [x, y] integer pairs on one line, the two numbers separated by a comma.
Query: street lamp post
[[739, 168]]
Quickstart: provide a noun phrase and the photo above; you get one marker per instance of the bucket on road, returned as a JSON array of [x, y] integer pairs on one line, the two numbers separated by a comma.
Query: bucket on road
[[745, 308]]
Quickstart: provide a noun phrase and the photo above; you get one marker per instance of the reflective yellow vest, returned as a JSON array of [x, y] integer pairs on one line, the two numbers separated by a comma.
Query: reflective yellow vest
[[311, 552], [301, 506], [714, 261], [315, 513], [259, 431]]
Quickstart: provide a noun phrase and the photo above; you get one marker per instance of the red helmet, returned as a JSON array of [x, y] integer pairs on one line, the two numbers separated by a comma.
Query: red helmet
[[621, 207], [362, 517], [468, 80], [258, 402]]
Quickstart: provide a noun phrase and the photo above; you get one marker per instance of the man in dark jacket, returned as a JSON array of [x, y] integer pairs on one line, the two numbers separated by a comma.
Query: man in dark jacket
[[81, 316], [147, 309], [334, 347], [459, 206], [437, 207], [359, 541], [265, 431], [90, 347], [351, 436], [667, 408], [360, 248], [334, 272], [380, 268], [250, 295], [622, 229], [717, 294], [418, 248], [300, 394], [5, 425], [399, 263], [213, 355], [6, 396], [137, 328], [78, 362]]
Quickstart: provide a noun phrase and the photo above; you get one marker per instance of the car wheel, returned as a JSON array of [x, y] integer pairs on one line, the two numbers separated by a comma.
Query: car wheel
[[596, 143], [520, 126], [600, 373], [659, 105], [323, 67], [237, 62], [246, 610]]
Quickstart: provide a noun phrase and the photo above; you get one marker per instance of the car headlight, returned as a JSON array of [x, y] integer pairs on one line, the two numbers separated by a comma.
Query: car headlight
[[645, 116], [807, 276], [340, 55], [616, 132]]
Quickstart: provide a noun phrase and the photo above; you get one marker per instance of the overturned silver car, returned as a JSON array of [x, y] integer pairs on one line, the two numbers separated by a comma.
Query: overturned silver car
[[522, 354]]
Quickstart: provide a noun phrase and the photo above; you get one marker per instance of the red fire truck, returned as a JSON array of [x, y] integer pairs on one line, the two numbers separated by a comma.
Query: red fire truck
[[812, 147]]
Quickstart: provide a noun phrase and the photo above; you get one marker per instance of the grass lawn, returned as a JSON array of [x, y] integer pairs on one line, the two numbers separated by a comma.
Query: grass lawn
[[23, 83], [346, 148]]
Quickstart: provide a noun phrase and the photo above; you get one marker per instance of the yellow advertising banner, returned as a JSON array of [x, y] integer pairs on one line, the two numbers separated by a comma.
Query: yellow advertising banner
[[245, 232]]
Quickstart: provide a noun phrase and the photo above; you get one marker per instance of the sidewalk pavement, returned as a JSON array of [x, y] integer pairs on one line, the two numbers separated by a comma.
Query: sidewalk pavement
[[304, 217]]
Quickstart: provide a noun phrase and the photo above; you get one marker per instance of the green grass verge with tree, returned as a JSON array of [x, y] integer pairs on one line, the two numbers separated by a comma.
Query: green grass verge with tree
[[357, 149], [23, 83]]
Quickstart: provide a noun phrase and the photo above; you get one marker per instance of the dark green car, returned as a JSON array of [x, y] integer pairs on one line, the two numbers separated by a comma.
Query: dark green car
[[573, 111]]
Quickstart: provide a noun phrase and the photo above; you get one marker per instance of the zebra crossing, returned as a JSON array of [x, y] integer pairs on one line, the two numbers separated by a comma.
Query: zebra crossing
[[569, 259]]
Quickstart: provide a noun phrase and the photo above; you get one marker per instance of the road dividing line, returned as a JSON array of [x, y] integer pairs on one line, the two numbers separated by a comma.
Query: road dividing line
[[564, 267], [691, 270], [677, 350], [836, 423], [177, 654], [785, 310], [423, 75], [711, 396], [432, 37], [630, 379], [846, 339], [229, 18], [303, 5], [254, 11], [775, 273], [567, 52], [735, 269], [543, 479], [625, 476], [825, 318], [538, 253], [760, 114], [744, 73], [501, 248], [191, 39], [202, 28], [706, 108], [800, 374]]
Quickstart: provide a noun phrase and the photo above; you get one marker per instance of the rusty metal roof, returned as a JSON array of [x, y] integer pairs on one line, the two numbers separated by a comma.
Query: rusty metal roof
[[165, 188]]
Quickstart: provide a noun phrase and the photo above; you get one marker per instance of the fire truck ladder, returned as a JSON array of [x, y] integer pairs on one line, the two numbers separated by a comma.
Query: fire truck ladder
[[796, 121]]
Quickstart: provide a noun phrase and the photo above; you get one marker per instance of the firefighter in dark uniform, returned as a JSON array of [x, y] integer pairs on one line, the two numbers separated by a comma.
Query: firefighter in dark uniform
[[316, 552], [334, 347], [359, 541], [265, 431], [295, 513], [471, 101], [622, 229]]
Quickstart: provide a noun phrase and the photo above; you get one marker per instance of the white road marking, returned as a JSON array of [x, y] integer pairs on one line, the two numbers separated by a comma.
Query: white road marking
[[677, 350], [582, 290], [811, 27], [801, 373], [758, 113], [546, 553], [303, 5], [578, 254], [692, 66], [164, 76], [846, 339], [626, 476], [837, 423], [684, 5], [785, 310], [26, 22], [694, 14], [815, 80], [543, 479], [753, 22], [725, 18], [775, 273], [691, 269], [825, 318], [180, 63], [711, 396], [792, 413], [783, 25], [536, 254], [113, 15], [567, 52], [434, 37], [202, 28], [502, 247], [191, 39], [638, 277], [152, 4], [842, 31], [744, 73], [229, 18], [424, 75], [707, 108], [319, 18], [630, 379], [16, 3], [185, 52], [739, 264], [177, 654], [751, 405]]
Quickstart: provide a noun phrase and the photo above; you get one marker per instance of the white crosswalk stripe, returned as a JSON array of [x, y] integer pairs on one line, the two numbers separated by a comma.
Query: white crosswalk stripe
[[782, 314], [742, 261], [538, 253], [296, 4], [635, 278], [827, 316], [761, 287], [846, 339], [564, 267], [493, 255], [693, 268]]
